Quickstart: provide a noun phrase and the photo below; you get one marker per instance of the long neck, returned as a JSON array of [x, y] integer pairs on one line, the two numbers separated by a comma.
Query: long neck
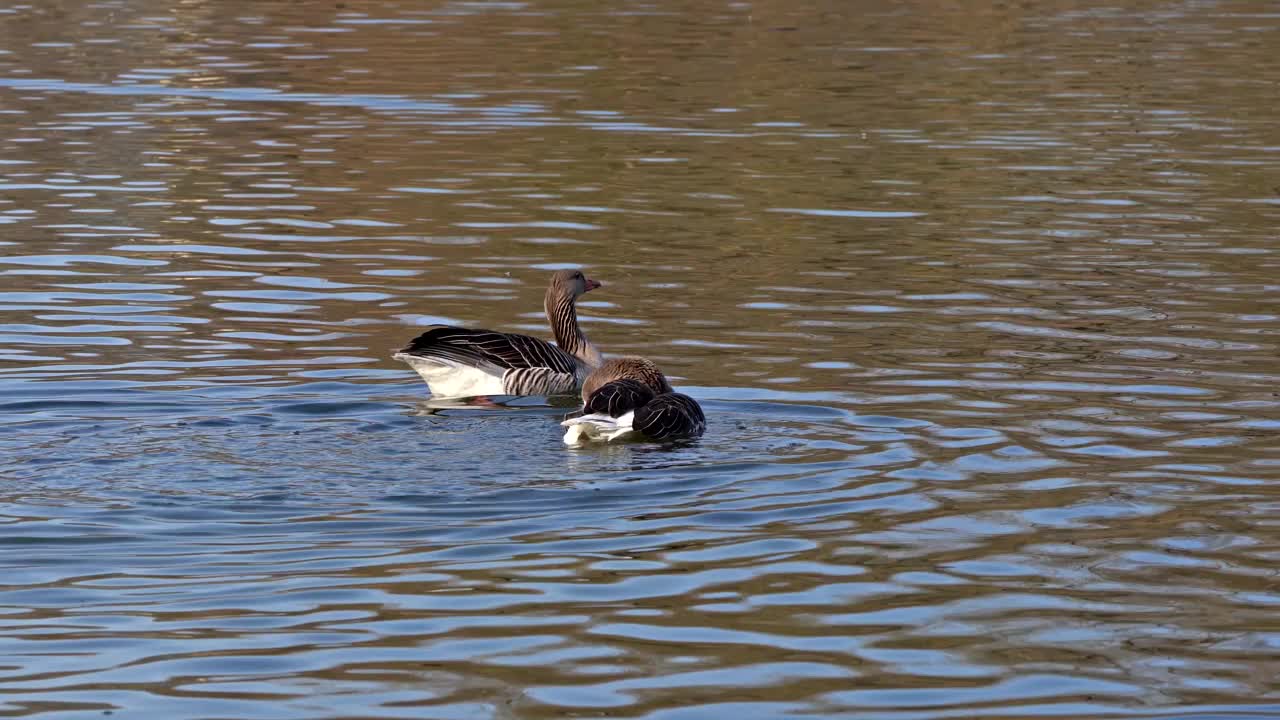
[[563, 316]]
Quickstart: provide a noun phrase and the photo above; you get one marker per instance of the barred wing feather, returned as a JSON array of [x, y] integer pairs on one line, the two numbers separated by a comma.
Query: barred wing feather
[[538, 381]]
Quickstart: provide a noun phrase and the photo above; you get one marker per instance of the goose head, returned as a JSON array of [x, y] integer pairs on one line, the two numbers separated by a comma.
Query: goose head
[[560, 303], [570, 285]]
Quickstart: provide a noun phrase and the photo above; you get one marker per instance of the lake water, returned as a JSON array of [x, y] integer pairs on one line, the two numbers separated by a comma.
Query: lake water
[[982, 300]]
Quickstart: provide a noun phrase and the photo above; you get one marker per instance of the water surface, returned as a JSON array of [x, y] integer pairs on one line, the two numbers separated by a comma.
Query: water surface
[[980, 300]]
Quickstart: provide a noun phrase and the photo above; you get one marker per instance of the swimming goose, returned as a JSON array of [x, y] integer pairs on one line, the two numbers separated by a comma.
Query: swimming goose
[[465, 362], [629, 396]]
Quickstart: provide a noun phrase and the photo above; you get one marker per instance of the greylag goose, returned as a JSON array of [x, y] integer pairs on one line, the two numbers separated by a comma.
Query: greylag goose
[[627, 396], [465, 362]]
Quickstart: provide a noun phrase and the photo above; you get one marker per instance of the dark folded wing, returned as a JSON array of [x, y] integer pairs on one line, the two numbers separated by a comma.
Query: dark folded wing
[[670, 416], [486, 347], [618, 397]]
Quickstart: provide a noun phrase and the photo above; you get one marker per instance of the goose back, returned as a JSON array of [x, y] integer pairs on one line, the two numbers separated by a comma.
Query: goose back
[[637, 369], [490, 350]]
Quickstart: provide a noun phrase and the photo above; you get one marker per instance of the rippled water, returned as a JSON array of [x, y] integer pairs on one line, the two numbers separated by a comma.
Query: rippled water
[[981, 300]]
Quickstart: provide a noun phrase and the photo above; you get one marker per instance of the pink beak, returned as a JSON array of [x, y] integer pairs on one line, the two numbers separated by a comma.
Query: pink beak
[[592, 285]]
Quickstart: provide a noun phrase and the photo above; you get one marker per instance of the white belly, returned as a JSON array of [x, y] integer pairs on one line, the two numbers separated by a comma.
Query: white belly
[[448, 379]]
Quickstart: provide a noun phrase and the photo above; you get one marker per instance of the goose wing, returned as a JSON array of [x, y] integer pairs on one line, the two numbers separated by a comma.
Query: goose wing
[[490, 350], [615, 398], [670, 416], [538, 381]]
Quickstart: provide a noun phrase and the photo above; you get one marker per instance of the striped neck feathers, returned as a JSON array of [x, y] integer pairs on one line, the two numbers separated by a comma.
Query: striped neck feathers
[[562, 314]]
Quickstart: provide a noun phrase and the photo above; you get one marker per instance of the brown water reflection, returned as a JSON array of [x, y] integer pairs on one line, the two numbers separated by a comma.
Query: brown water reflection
[[980, 299]]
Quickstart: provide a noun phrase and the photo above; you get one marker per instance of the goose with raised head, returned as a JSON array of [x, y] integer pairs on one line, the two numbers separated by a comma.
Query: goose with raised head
[[466, 362], [631, 396]]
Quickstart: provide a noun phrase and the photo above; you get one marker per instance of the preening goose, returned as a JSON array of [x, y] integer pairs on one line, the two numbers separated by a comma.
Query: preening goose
[[464, 362], [629, 367], [629, 396]]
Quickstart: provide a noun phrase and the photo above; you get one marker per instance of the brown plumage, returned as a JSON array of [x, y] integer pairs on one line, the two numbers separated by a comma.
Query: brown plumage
[[462, 362], [631, 395], [634, 368]]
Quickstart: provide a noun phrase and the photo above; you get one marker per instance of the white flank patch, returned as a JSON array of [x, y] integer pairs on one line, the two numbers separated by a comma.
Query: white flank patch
[[449, 379]]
